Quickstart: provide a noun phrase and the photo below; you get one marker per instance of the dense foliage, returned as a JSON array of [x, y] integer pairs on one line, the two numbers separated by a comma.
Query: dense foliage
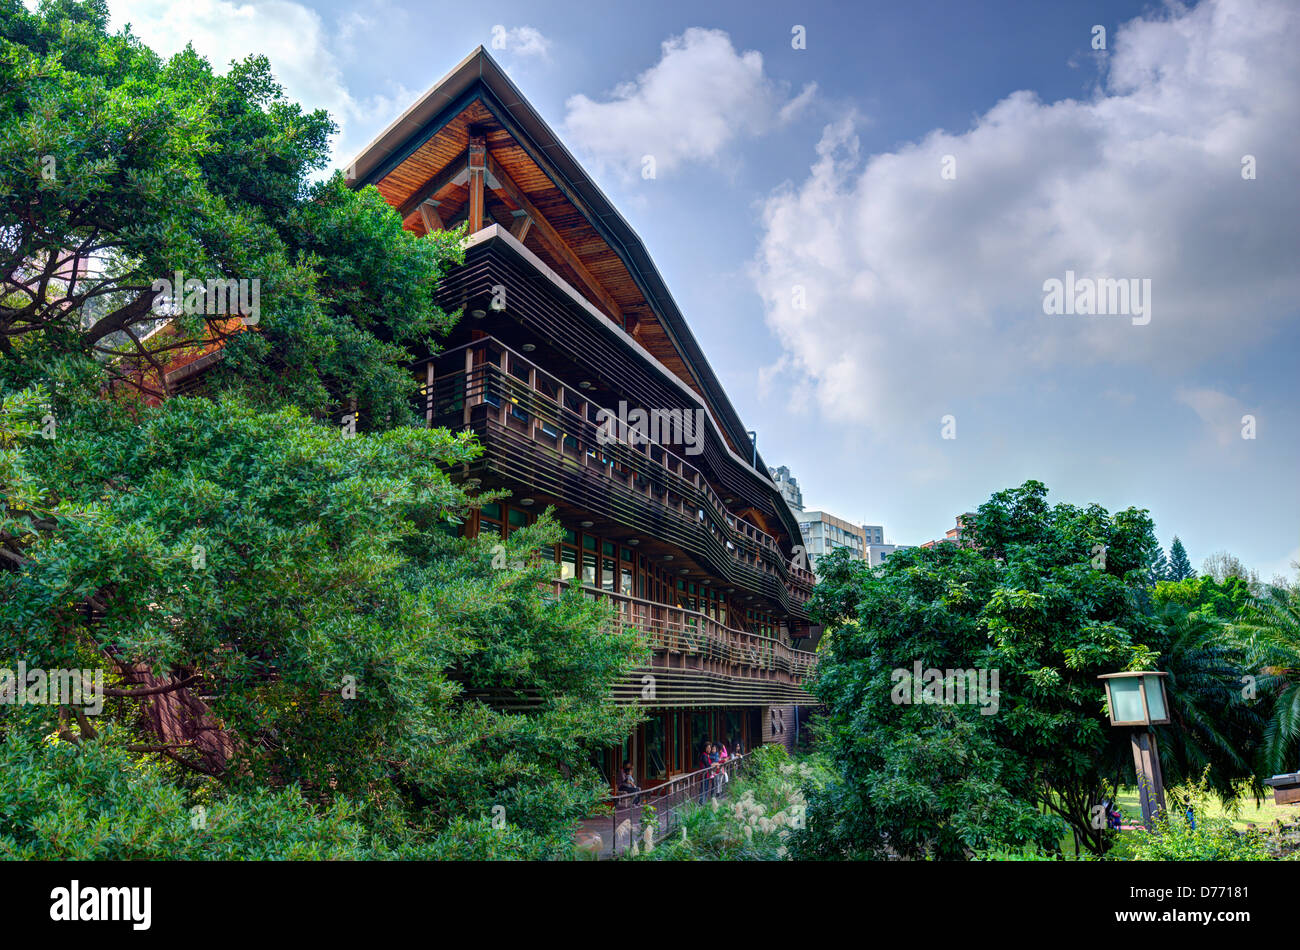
[[1049, 597], [763, 806], [291, 637]]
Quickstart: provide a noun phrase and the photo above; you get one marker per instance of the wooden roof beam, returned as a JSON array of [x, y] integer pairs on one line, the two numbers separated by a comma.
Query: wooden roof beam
[[523, 222], [454, 173], [549, 237], [429, 214]]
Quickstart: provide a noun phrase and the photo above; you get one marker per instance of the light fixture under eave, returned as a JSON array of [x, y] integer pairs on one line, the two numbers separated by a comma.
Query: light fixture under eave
[[586, 524], [528, 347], [634, 541], [668, 557], [584, 385], [478, 314], [526, 502]]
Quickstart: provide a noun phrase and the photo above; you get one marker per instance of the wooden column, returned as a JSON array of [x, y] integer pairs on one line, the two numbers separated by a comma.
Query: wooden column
[[1146, 761], [477, 169]]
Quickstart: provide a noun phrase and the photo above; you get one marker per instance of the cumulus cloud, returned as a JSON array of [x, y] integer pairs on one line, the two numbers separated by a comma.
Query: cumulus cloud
[[882, 277], [1221, 413], [520, 40], [304, 56], [689, 106]]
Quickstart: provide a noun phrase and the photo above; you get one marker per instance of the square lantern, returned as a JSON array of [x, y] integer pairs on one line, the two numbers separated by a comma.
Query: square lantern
[[1136, 699]]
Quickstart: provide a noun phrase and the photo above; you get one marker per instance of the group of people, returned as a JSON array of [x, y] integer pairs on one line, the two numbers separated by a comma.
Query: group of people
[[711, 764], [713, 758]]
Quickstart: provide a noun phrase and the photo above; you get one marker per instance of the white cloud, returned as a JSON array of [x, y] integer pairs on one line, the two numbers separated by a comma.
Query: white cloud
[[921, 287], [1221, 413], [520, 40], [304, 57], [689, 106]]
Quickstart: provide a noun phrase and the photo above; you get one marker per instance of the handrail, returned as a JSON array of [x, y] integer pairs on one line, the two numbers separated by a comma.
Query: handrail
[[739, 647], [630, 822], [701, 483], [559, 382], [692, 481], [664, 788]]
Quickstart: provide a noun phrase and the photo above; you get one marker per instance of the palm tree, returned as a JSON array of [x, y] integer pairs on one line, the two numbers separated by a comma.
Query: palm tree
[[1272, 626], [1212, 724]]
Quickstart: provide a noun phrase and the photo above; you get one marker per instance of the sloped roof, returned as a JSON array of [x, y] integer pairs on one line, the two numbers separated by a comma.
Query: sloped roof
[[417, 156]]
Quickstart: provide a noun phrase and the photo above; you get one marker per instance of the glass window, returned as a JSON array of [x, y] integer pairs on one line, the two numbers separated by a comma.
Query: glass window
[[568, 564], [656, 749]]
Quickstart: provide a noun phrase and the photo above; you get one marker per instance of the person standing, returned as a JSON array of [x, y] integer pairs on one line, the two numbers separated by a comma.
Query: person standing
[[706, 767]]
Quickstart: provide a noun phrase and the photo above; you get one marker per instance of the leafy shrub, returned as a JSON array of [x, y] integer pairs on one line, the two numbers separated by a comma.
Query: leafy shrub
[[1174, 838], [762, 809]]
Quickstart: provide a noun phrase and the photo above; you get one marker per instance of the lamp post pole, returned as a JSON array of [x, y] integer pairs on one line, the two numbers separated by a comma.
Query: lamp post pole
[[1151, 786]]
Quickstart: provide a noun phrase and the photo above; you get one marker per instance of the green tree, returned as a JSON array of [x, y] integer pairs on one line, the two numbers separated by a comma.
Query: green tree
[[268, 598], [118, 169], [1272, 628], [288, 630], [1216, 732], [1180, 568], [1050, 596], [1159, 567]]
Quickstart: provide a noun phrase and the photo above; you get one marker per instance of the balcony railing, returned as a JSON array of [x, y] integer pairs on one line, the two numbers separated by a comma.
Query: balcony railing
[[522, 398], [650, 815], [677, 632]]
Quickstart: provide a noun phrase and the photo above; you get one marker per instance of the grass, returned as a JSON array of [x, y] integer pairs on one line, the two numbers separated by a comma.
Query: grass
[[1246, 811]]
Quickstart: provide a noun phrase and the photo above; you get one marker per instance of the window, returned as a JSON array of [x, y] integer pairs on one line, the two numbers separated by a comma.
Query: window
[[489, 520], [516, 518], [656, 748]]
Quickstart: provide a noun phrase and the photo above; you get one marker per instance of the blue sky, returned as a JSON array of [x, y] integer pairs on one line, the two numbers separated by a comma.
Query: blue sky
[[783, 173]]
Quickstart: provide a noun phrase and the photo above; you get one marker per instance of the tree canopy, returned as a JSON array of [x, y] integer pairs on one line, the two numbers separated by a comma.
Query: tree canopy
[[293, 639], [1047, 596]]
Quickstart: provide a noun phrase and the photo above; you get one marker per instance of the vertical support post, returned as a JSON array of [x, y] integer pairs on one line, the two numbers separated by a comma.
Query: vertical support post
[[428, 401], [1146, 762], [477, 169]]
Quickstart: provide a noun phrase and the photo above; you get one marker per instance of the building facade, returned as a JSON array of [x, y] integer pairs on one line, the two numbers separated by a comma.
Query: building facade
[[955, 534], [577, 373], [824, 533], [788, 486], [877, 553]]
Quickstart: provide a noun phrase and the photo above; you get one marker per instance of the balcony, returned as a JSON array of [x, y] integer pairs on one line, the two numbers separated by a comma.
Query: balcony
[[540, 433], [689, 640]]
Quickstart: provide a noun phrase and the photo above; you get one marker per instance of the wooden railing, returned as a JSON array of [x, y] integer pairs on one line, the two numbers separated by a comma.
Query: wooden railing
[[675, 631], [654, 813], [513, 394]]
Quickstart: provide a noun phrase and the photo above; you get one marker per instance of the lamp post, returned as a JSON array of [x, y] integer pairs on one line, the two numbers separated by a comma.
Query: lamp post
[[1138, 701]]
